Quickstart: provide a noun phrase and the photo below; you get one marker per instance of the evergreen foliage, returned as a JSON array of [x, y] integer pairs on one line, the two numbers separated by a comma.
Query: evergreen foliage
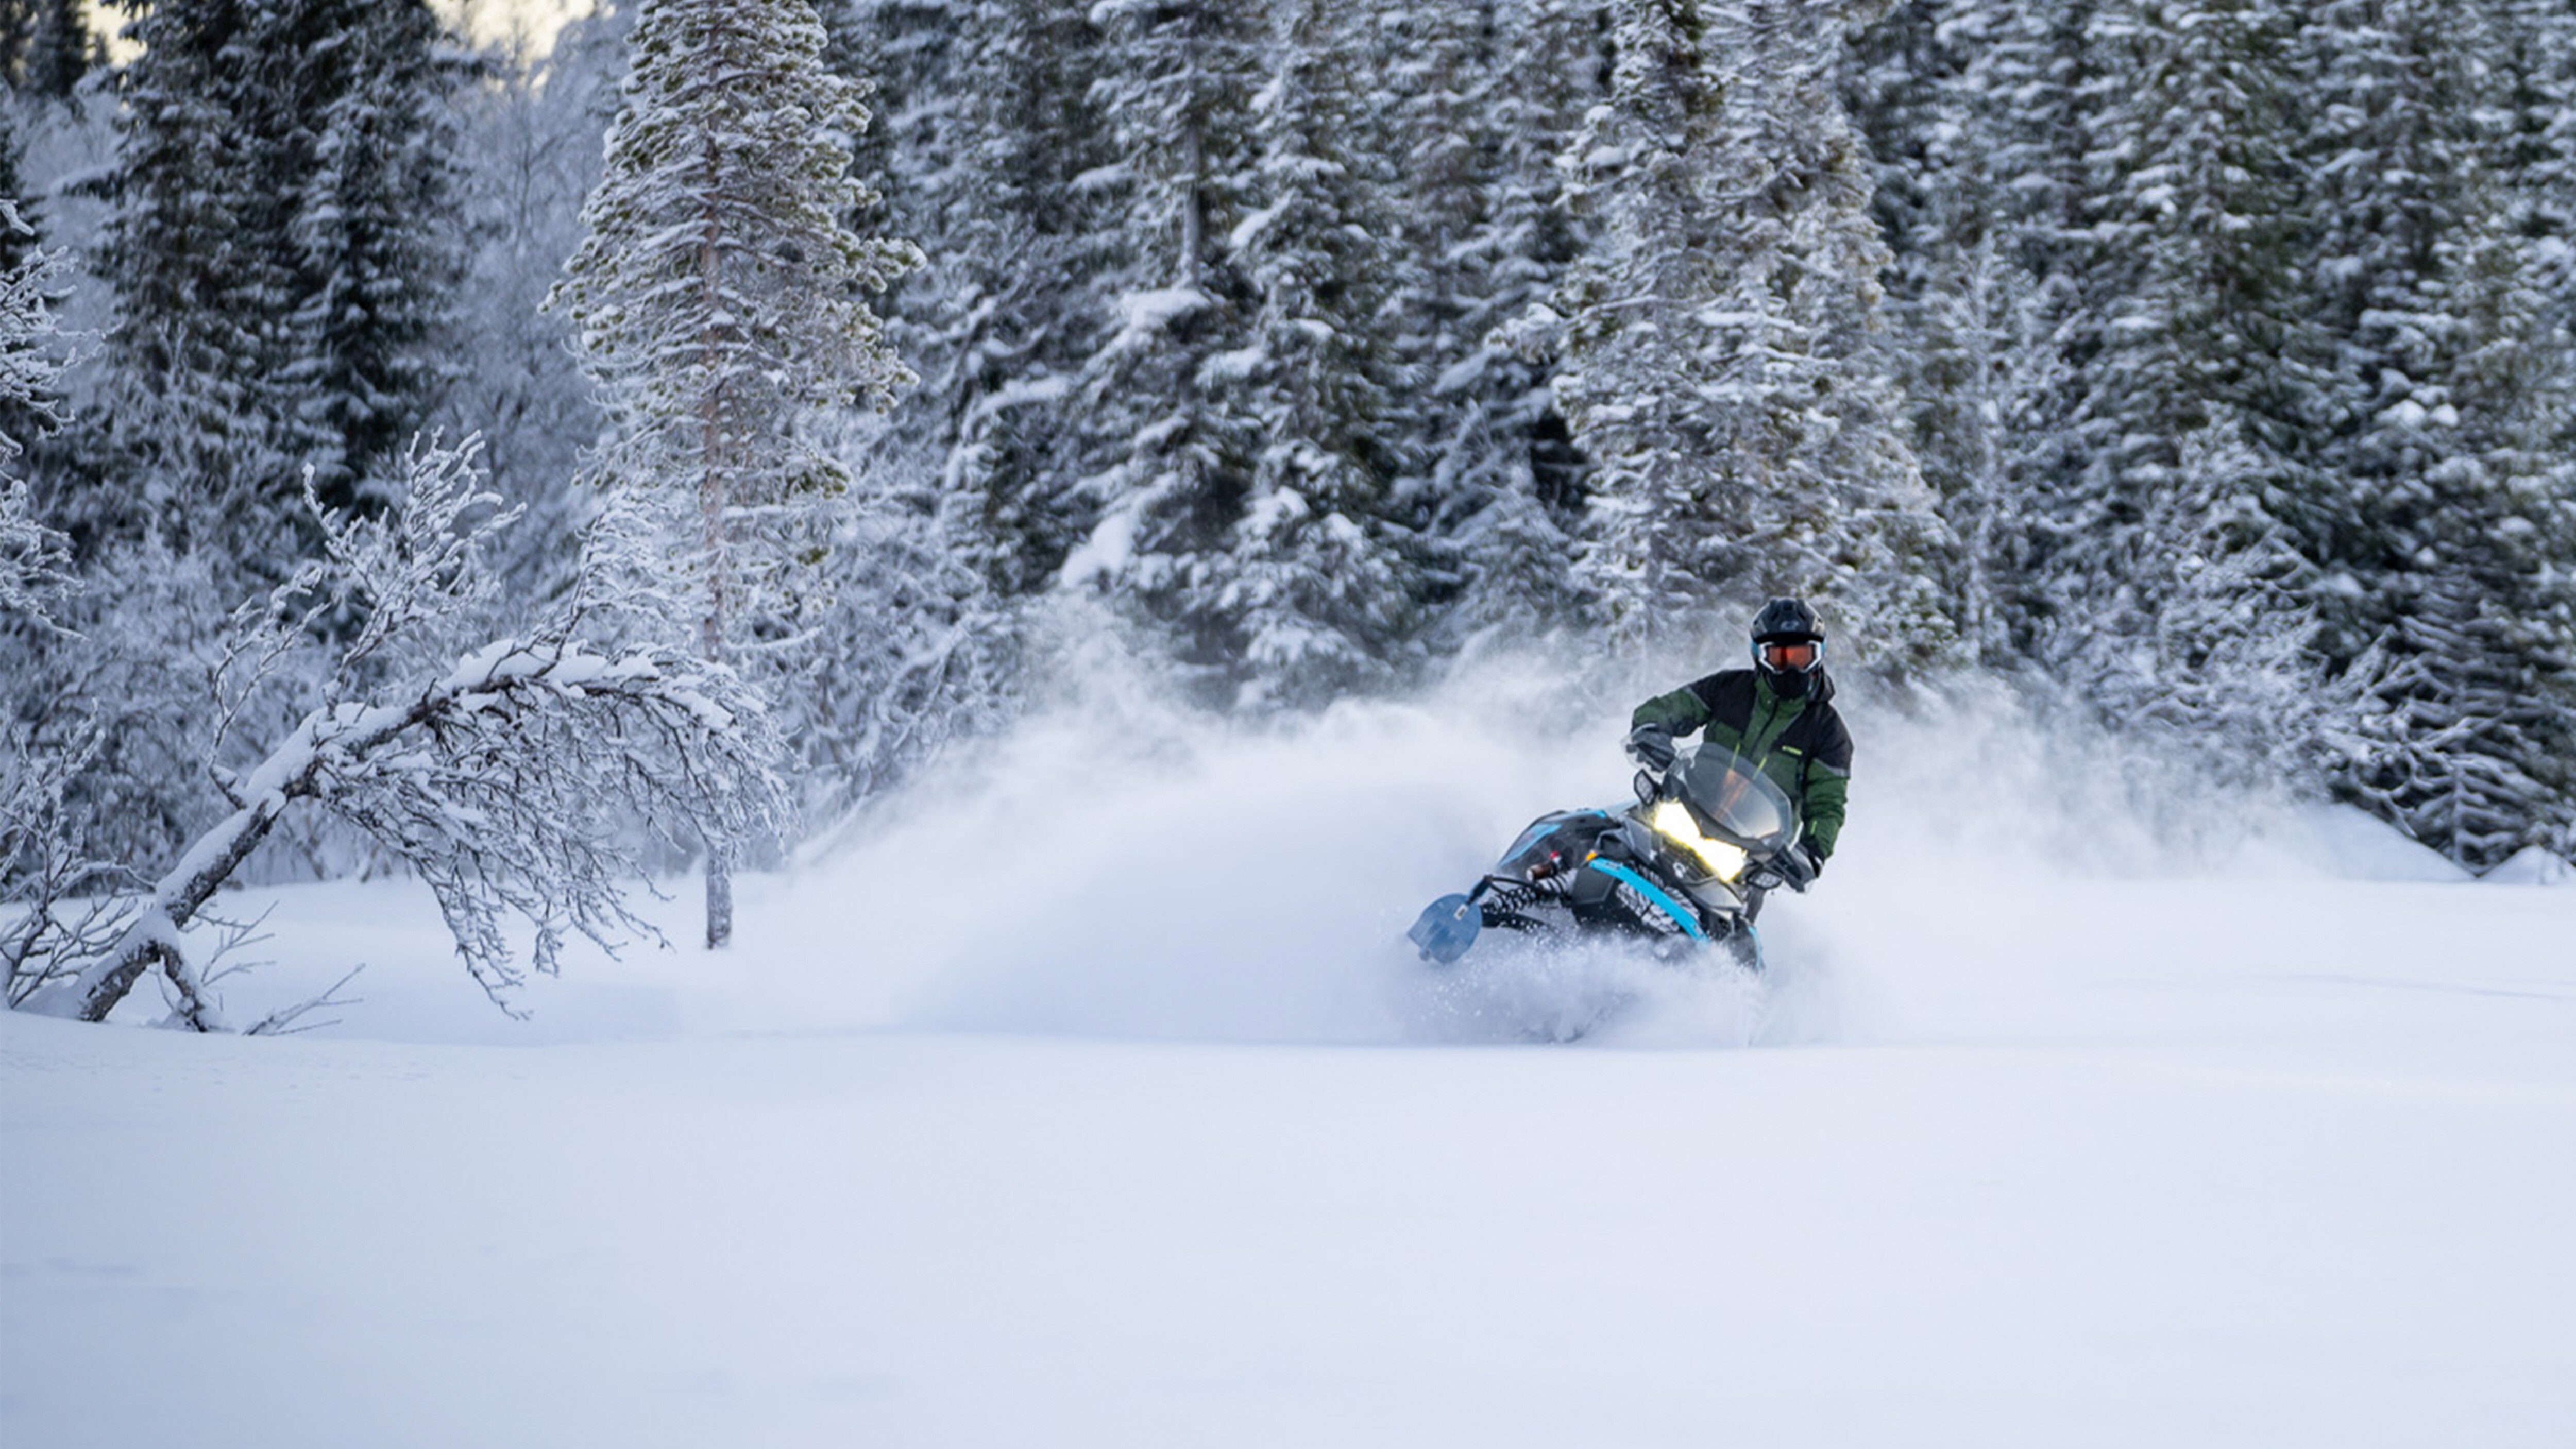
[[722, 301], [722, 298], [1318, 587], [1490, 98], [1722, 368], [530, 153], [1175, 94], [281, 254], [2264, 445], [46, 46], [2205, 365]]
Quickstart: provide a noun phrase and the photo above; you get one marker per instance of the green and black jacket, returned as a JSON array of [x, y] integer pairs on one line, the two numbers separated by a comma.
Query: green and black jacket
[[1800, 743]]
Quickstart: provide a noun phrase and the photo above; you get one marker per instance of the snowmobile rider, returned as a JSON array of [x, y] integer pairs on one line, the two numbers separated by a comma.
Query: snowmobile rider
[[1778, 715]]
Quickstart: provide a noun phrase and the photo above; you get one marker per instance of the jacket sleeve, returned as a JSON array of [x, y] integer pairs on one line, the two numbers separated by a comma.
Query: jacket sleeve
[[1826, 784], [1679, 712]]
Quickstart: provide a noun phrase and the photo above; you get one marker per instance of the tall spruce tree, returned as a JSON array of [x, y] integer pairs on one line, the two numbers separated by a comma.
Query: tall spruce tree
[[281, 251], [2178, 560], [1002, 332], [1947, 93], [2450, 379], [376, 251], [722, 301], [1318, 587], [46, 46], [1490, 98], [1720, 336], [1175, 90], [966, 496]]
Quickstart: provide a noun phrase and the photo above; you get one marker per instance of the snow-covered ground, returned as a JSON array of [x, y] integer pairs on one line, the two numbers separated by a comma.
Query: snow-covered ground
[[1087, 1098]]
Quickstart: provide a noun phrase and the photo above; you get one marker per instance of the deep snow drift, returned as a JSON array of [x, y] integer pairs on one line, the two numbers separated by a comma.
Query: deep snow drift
[[1087, 1095]]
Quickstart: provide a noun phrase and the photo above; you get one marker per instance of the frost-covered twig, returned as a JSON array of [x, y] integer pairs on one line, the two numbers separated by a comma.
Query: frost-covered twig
[[35, 567], [288, 1020], [67, 904]]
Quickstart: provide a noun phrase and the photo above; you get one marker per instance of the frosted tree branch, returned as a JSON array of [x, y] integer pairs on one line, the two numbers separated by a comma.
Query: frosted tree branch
[[522, 777]]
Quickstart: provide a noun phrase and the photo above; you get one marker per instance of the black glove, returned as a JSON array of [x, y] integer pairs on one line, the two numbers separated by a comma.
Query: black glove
[[1651, 746], [1795, 868]]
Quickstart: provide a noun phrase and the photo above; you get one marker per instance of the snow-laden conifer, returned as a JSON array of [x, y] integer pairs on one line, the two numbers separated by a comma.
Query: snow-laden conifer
[[45, 46], [34, 567], [1175, 91], [375, 247], [529, 154], [282, 248], [970, 498], [2447, 385], [1317, 588], [2178, 553], [1489, 99], [722, 300], [1008, 192], [1944, 93], [1719, 334]]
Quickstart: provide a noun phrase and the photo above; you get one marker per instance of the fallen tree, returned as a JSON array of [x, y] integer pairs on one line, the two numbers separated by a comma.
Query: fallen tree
[[528, 776]]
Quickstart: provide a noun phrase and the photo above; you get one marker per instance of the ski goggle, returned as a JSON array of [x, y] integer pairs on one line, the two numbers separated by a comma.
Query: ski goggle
[[1797, 656]]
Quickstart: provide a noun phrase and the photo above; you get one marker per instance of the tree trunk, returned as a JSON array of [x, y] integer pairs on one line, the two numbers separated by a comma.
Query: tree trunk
[[719, 896], [715, 449]]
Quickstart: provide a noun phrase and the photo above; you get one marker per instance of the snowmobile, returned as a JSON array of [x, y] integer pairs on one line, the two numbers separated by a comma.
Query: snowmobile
[[1682, 868]]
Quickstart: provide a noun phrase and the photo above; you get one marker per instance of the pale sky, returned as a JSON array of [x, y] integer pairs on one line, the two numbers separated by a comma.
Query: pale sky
[[482, 20], [490, 20]]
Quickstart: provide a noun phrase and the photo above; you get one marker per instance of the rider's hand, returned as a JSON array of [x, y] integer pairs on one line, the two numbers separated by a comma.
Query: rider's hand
[[1796, 868], [1651, 746]]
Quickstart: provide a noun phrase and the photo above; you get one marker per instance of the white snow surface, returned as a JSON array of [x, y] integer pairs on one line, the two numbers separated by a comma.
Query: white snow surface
[[1086, 1096]]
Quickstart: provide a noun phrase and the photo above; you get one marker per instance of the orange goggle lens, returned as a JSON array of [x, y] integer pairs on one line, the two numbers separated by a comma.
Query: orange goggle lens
[[1792, 654]]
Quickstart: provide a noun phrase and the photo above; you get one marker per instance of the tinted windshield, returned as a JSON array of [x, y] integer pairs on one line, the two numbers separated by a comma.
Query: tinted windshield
[[1738, 800]]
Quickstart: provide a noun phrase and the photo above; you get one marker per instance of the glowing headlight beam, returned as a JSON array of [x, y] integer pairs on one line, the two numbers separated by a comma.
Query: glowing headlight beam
[[1672, 821]]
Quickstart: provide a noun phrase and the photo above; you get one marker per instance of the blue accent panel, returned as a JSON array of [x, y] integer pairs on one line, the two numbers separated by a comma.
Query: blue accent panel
[[1532, 836], [1682, 915]]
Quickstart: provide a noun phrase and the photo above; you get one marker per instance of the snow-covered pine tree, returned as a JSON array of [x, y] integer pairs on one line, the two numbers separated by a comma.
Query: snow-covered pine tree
[[1720, 336], [2528, 55], [969, 502], [903, 56], [1489, 97], [63, 49], [33, 562], [998, 184], [722, 301], [1939, 89], [2180, 553], [280, 250], [2453, 615], [1317, 589], [377, 252], [1174, 89], [195, 254], [31, 400]]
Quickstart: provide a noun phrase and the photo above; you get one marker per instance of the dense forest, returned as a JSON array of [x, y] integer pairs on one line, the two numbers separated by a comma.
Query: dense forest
[[2203, 367]]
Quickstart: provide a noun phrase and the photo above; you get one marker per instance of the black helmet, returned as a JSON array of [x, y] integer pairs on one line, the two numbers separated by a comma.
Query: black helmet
[[1787, 619], [1788, 645]]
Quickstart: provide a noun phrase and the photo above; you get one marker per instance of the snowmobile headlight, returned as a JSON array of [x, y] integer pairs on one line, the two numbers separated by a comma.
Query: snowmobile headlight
[[1672, 820]]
